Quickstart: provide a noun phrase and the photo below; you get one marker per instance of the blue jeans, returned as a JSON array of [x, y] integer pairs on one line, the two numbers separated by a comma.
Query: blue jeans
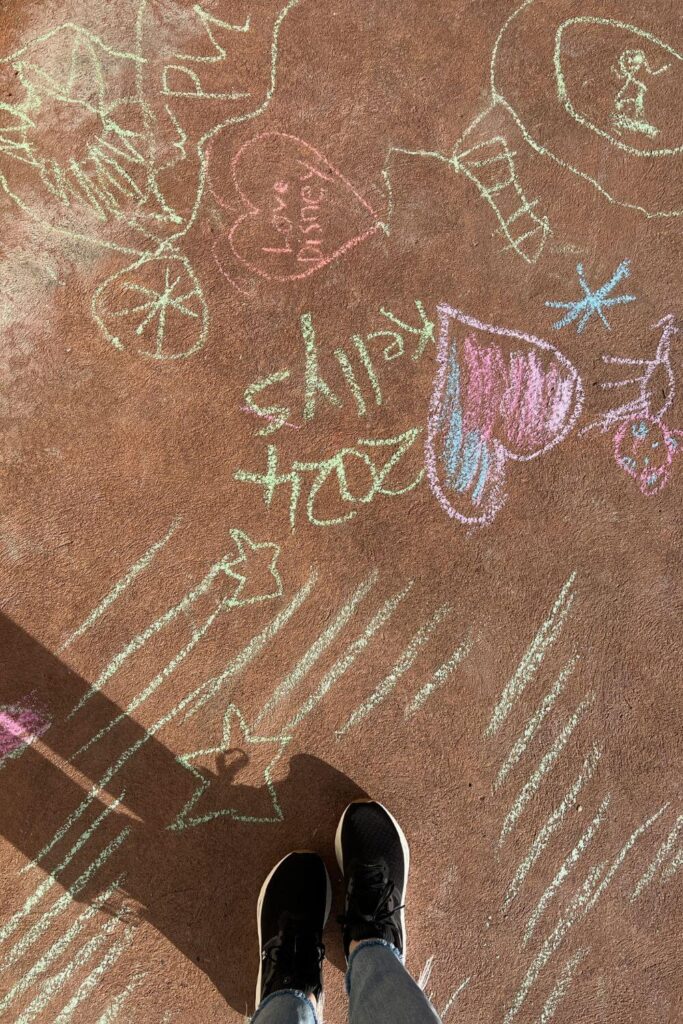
[[380, 992]]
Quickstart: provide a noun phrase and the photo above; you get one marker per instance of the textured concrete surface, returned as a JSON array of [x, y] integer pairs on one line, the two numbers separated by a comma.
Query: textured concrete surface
[[319, 478]]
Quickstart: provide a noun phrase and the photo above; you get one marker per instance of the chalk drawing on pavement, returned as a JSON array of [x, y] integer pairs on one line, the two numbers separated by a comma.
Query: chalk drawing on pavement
[[302, 216], [621, 117], [94, 151], [520, 711], [644, 445], [21, 723], [629, 103], [487, 151], [499, 395], [594, 301]]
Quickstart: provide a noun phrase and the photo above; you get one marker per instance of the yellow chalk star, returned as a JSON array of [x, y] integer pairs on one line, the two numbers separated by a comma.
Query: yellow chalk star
[[245, 566], [233, 717]]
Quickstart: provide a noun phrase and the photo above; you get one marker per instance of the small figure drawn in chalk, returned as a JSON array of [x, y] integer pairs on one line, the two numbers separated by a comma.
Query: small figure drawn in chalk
[[645, 445], [629, 103], [653, 381]]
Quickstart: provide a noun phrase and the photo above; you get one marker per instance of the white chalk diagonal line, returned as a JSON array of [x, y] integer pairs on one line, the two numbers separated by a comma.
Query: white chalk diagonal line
[[403, 664]]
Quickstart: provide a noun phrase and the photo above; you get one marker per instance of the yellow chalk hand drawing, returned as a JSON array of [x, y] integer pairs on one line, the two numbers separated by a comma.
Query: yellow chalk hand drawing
[[73, 139]]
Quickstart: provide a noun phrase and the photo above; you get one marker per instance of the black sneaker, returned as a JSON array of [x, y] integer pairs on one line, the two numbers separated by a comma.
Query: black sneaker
[[293, 906], [373, 855]]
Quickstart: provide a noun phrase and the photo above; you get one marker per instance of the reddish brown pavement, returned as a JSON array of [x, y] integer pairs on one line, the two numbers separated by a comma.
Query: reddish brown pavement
[[309, 493]]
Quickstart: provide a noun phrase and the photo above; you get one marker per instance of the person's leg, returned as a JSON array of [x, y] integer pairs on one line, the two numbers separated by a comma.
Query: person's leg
[[381, 991], [374, 858], [286, 1008], [293, 907]]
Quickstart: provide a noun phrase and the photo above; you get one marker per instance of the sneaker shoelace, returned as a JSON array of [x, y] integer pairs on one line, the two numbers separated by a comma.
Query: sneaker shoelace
[[377, 913], [294, 959]]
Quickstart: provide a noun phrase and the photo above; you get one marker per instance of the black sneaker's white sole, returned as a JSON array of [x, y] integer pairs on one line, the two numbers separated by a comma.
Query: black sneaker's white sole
[[406, 857], [259, 907]]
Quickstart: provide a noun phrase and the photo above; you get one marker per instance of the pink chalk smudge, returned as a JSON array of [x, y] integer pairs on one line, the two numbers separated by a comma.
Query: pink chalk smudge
[[20, 724]]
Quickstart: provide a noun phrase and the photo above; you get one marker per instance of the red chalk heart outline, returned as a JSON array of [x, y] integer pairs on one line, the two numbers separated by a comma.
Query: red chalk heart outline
[[252, 210]]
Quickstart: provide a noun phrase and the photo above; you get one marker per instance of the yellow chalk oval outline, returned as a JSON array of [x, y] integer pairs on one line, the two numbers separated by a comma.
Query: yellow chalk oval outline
[[563, 95]]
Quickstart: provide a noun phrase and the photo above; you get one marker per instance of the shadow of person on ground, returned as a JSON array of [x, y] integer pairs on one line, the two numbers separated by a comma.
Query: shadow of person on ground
[[86, 823]]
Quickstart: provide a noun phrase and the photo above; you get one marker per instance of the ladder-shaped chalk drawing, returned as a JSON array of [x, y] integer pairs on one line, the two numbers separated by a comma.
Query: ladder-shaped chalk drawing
[[490, 165]]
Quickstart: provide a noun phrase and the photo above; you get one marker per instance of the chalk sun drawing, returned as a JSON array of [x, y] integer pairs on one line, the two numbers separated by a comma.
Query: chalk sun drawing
[[499, 395], [301, 216], [96, 149], [593, 302]]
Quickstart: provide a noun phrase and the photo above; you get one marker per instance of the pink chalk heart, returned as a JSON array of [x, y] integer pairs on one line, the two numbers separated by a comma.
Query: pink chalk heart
[[301, 212], [499, 395]]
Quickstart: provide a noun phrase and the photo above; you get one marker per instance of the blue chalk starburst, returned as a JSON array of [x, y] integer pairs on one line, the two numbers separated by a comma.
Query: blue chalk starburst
[[593, 301]]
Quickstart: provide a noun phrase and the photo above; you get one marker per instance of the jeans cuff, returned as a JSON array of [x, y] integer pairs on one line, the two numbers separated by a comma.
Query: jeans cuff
[[366, 944], [296, 994]]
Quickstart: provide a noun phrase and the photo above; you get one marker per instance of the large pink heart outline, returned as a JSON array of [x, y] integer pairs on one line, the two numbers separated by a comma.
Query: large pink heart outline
[[498, 395], [322, 178]]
